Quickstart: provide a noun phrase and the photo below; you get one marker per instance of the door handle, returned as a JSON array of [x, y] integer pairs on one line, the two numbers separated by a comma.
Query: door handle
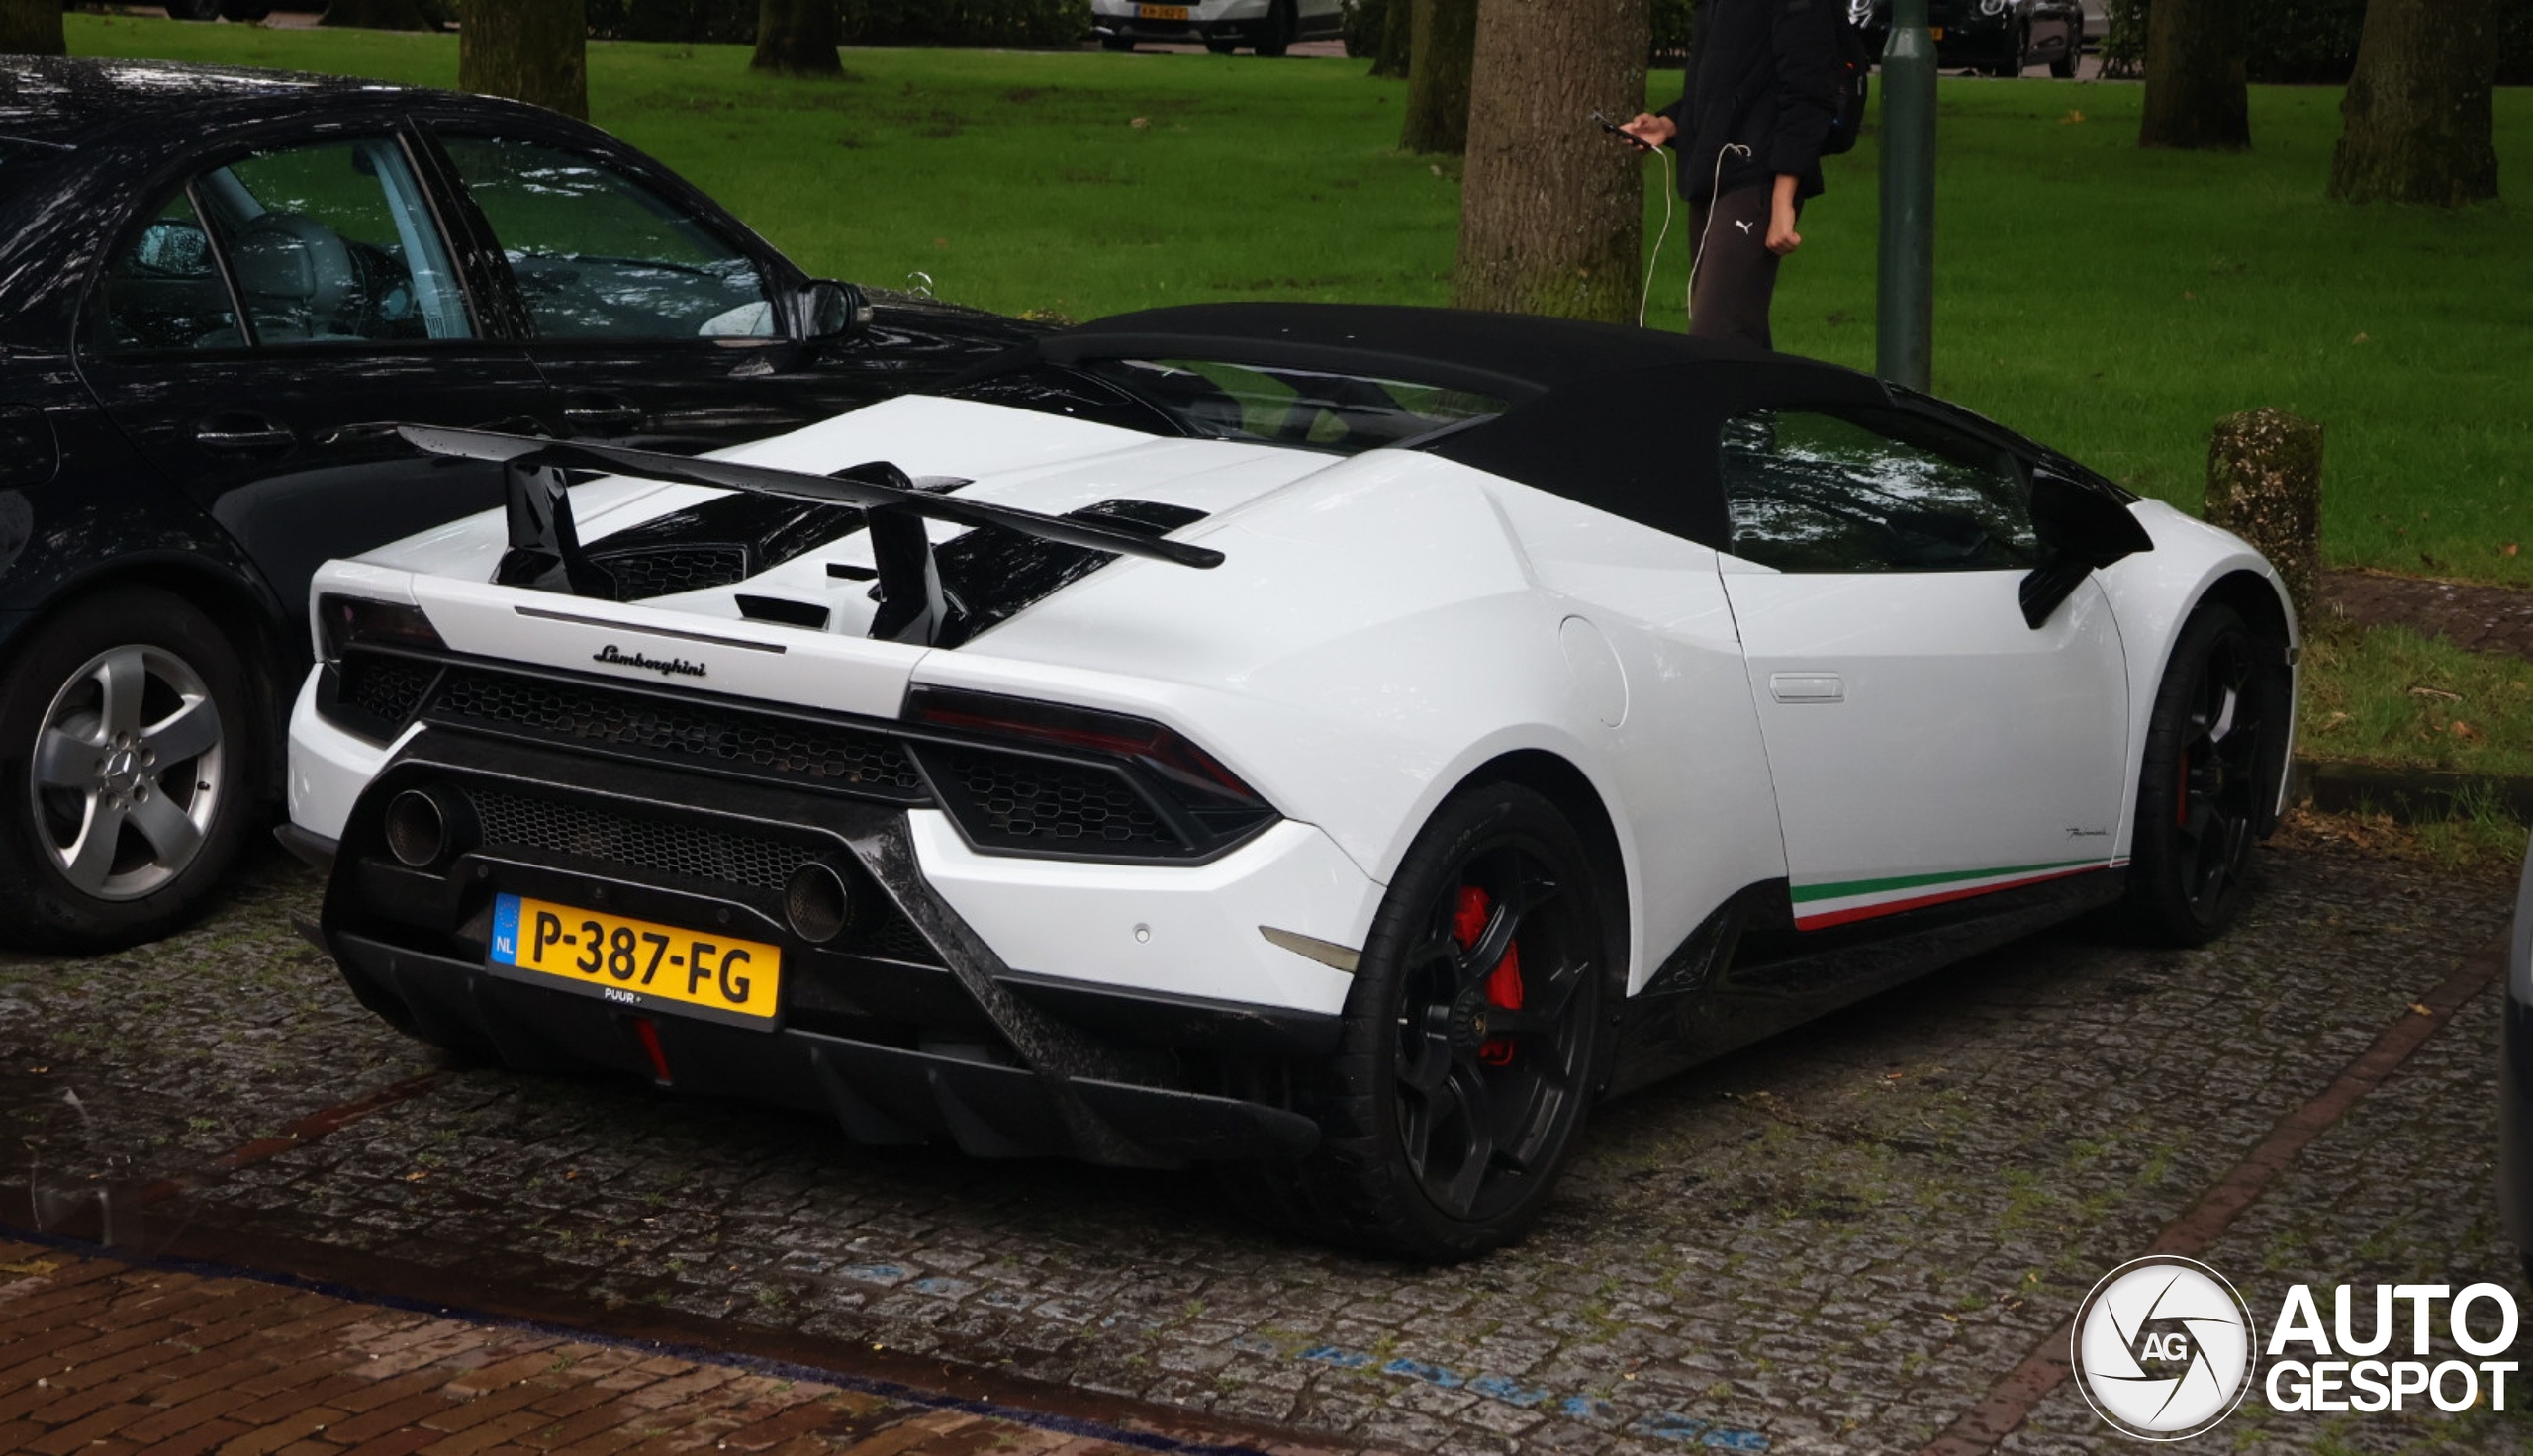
[[1807, 688], [602, 417], [248, 434]]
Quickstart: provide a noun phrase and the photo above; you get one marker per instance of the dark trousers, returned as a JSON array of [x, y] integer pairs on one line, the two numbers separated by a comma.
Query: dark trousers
[[1737, 275]]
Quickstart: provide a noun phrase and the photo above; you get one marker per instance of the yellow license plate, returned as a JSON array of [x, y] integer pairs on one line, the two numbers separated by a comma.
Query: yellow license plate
[[638, 964], [1934, 33], [1161, 12]]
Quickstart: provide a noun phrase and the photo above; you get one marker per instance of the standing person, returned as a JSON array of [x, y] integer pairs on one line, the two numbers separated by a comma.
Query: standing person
[[1757, 100]]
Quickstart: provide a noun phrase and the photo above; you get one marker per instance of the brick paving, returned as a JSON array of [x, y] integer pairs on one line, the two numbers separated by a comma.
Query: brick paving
[[100, 1357], [2482, 618], [1835, 1241]]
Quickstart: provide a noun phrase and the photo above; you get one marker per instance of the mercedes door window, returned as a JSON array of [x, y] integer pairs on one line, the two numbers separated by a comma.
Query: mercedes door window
[[163, 290], [333, 243], [599, 255]]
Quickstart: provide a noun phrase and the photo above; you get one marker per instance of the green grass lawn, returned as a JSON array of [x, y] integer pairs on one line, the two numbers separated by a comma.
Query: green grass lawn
[[2392, 696], [2113, 302]]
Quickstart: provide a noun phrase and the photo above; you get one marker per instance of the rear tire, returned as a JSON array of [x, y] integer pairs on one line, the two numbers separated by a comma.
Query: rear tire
[[1117, 42], [2215, 747], [2065, 66], [1473, 1042], [1281, 25], [130, 743], [1222, 45], [2014, 60]]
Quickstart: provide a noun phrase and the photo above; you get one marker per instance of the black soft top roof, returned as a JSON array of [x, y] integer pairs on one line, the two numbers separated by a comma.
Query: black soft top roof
[[1621, 419], [1514, 355]]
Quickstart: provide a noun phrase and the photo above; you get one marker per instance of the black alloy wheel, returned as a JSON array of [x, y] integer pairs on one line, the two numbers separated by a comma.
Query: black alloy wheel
[[1281, 25], [1474, 1042], [2213, 752], [130, 741]]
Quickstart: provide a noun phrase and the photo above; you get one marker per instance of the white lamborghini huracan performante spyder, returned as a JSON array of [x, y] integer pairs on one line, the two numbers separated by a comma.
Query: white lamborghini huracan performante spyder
[[1342, 743]]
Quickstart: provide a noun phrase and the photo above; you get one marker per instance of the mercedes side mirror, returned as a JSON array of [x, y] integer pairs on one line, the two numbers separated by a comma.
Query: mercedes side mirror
[[2082, 529], [831, 310]]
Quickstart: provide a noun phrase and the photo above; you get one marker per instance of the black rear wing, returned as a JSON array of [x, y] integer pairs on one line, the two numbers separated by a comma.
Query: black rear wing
[[545, 548]]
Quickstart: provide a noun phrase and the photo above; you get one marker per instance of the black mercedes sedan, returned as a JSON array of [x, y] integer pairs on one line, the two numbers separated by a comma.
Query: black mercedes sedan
[[210, 282]]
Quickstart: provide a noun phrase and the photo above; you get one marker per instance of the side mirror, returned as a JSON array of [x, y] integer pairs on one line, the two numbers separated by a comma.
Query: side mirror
[[830, 310], [2081, 529]]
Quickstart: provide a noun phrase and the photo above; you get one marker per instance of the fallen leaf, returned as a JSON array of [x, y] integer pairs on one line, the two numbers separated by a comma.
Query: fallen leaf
[[1140, 122], [2508, 549], [2465, 730], [2361, 338], [2185, 293], [418, 1175], [2423, 692], [2071, 117], [1436, 168], [31, 1266], [2422, 1008]]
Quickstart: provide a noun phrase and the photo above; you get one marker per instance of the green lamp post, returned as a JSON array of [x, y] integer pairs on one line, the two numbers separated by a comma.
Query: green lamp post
[[1904, 325]]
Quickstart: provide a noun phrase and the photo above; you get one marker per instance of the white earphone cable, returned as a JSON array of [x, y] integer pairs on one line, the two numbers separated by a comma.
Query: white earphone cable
[[1713, 197], [1670, 185], [1697, 248]]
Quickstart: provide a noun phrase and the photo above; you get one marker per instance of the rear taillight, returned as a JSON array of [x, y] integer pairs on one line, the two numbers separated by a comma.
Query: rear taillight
[[358, 621], [1204, 803]]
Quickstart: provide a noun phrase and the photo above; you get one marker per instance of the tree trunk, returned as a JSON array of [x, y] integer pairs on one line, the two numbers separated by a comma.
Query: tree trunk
[[2418, 126], [2265, 484], [383, 14], [1446, 37], [799, 38], [2195, 95], [30, 28], [1552, 210], [532, 51], [1398, 49]]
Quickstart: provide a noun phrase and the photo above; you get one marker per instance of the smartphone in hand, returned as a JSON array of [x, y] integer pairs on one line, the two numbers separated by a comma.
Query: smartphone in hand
[[1623, 134]]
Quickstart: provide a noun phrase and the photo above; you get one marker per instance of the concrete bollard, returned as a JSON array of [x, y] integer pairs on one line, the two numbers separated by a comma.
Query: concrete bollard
[[2265, 484]]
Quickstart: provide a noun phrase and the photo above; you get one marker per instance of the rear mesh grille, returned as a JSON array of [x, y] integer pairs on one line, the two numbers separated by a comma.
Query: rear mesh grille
[[388, 689], [1037, 804], [511, 821], [516, 821], [687, 734], [661, 570]]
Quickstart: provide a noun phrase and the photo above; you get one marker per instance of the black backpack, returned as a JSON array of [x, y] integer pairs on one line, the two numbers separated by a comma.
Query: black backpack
[[1855, 88]]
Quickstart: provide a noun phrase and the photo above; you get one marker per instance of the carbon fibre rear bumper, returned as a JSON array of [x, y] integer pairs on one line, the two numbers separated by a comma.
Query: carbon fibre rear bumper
[[906, 1027], [877, 1094]]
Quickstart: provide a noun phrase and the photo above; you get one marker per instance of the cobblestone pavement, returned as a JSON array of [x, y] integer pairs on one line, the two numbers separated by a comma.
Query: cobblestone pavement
[[2482, 618], [1839, 1240], [102, 1358]]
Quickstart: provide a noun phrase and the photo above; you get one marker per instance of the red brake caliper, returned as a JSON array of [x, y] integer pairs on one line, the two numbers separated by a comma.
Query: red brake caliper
[[1504, 982]]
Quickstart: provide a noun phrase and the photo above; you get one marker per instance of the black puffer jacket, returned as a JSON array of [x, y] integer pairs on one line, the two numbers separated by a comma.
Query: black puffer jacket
[[1764, 74]]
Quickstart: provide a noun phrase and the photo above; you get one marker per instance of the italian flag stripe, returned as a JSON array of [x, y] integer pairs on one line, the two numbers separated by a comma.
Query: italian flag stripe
[[1819, 906]]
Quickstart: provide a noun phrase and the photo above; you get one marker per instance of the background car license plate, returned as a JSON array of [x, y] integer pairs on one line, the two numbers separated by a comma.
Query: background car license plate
[[1161, 12], [638, 963]]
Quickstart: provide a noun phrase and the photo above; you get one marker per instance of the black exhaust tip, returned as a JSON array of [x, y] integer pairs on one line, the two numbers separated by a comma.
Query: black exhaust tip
[[816, 902]]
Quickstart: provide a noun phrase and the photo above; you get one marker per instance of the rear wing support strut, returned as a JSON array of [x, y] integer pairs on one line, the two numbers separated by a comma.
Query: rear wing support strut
[[545, 548]]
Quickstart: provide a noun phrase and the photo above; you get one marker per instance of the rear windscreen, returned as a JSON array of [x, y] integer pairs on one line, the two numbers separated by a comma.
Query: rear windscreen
[[1342, 414]]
